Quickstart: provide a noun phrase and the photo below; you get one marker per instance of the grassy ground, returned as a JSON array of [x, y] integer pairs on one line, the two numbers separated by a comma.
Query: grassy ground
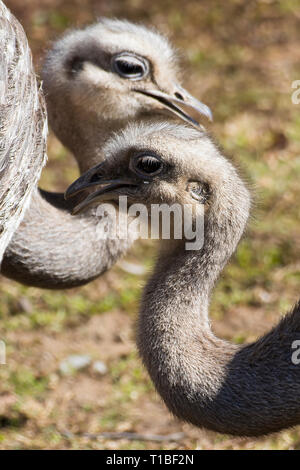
[[241, 58]]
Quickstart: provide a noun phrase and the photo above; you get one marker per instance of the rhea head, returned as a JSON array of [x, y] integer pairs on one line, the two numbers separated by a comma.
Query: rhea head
[[155, 163], [111, 72]]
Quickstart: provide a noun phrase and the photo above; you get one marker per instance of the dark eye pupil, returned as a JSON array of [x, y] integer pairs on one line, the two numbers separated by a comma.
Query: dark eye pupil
[[149, 165], [128, 68]]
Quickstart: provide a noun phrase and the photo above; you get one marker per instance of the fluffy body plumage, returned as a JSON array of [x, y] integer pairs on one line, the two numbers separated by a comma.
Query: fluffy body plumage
[[23, 126]]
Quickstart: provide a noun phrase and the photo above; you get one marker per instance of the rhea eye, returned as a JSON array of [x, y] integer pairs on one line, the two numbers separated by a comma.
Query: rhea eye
[[148, 165], [130, 66]]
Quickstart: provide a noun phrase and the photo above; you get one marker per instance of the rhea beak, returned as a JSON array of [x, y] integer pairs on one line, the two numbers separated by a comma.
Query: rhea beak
[[94, 177], [175, 103]]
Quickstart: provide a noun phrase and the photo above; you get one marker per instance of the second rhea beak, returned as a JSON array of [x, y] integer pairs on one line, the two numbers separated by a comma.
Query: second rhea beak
[[179, 100]]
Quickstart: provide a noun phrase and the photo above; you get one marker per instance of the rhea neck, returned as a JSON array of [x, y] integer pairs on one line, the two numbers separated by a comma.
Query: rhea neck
[[249, 390], [53, 249], [189, 275], [84, 132], [175, 303]]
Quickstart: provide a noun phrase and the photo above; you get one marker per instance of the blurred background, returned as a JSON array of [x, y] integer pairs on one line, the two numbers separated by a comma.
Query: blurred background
[[240, 58]]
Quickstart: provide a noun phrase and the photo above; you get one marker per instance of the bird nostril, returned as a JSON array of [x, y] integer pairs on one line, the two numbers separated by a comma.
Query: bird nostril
[[179, 96], [96, 177]]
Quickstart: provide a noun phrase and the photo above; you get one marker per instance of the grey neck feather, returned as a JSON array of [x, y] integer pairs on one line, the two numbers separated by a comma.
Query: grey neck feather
[[80, 131], [55, 250], [249, 390]]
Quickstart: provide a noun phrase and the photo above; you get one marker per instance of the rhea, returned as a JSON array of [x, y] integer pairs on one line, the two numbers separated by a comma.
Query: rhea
[[244, 390], [95, 80]]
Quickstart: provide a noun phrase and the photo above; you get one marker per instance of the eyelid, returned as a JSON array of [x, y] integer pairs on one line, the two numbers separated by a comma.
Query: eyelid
[[138, 60]]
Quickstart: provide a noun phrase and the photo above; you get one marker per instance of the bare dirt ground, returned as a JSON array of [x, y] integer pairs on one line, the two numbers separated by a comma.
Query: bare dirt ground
[[240, 58]]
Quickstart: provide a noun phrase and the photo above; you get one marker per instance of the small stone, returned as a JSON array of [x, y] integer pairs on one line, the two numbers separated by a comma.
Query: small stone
[[132, 268], [25, 304], [99, 367], [74, 363]]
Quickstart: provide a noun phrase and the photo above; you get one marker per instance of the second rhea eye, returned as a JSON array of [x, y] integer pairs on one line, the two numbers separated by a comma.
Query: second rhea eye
[[148, 165], [130, 66]]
